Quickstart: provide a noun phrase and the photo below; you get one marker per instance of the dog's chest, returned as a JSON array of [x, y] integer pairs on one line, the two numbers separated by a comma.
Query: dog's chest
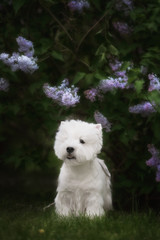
[[78, 180]]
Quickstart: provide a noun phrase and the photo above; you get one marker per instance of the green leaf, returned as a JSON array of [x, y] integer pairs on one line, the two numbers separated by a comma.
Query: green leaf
[[124, 138], [78, 77], [101, 50], [44, 46], [57, 55], [15, 108], [117, 127], [100, 76], [113, 50], [89, 78], [103, 57], [154, 96], [139, 85], [17, 4]]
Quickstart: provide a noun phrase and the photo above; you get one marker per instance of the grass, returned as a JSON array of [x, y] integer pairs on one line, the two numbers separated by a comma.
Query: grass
[[27, 221]]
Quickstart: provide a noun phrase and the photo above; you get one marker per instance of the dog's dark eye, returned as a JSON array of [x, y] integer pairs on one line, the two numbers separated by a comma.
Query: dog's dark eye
[[81, 141]]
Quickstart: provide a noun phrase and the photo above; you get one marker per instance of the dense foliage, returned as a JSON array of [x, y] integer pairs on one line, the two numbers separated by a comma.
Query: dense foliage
[[110, 53]]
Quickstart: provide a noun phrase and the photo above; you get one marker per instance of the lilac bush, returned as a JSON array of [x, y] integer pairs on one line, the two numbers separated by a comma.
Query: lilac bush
[[110, 51]]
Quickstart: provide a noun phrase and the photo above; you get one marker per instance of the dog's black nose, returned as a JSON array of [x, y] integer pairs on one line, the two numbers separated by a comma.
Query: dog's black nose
[[70, 149]]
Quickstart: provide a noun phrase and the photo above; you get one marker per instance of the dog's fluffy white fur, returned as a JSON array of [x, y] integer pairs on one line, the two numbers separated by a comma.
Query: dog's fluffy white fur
[[84, 180]]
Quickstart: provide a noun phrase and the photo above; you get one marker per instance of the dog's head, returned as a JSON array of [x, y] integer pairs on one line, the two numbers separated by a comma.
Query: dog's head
[[77, 142]]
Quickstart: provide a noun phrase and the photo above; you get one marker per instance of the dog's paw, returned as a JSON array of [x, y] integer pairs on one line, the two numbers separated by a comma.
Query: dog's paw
[[64, 212], [92, 212]]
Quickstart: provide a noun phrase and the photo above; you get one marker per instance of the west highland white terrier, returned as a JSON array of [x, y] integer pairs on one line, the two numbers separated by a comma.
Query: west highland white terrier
[[84, 180]]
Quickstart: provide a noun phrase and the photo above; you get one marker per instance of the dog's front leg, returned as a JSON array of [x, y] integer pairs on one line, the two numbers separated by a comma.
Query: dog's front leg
[[63, 203], [94, 205]]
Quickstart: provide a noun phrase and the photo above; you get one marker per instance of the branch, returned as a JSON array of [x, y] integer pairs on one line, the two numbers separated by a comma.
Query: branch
[[60, 24], [51, 204], [85, 35]]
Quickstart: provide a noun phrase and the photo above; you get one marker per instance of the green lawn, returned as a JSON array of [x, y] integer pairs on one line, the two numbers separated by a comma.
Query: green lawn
[[19, 220]]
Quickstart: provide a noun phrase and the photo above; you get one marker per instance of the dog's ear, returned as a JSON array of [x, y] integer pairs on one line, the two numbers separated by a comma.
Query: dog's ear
[[99, 126], [62, 123]]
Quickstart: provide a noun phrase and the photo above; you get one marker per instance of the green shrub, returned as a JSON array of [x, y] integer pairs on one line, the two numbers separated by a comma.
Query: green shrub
[[83, 46]]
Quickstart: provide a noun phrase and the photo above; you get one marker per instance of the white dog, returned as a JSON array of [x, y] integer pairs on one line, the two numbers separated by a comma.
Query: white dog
[[84, 180]]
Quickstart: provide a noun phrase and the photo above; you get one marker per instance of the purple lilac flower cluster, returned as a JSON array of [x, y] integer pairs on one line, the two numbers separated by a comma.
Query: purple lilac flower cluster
[[144, 108], [24, 62], [91, 94], [124, 5], [119, 81], [25, 46], [78, 5], [100, 118], [111, 83], [122, 27], [154, 161], [63, 95], [19, 62], [4, 85], [106, 85], [115, 64], [154, 82]]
